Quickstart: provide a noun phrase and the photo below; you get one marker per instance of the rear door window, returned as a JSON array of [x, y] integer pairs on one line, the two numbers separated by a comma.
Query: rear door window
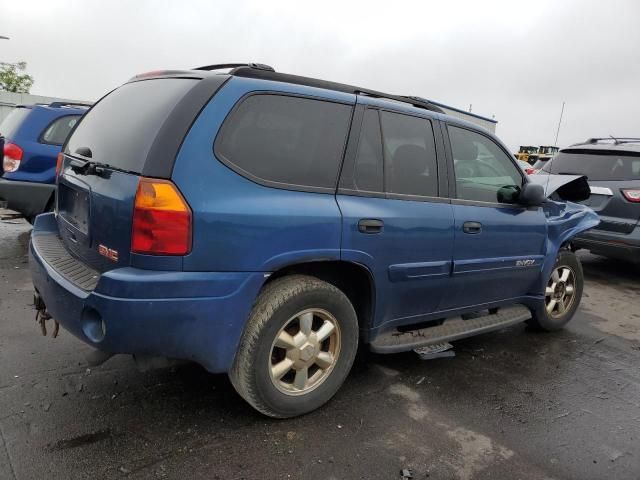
[[285, 141], [58, 131], [120, 129], [410, 155], [368, 168], [596, 165]]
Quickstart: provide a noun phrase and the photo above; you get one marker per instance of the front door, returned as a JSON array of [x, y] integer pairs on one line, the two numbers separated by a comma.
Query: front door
[[499, 245], [394, 221]]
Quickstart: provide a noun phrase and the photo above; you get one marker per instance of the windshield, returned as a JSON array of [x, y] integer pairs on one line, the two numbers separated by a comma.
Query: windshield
[[120, 129], [596, 165], [12, 122]]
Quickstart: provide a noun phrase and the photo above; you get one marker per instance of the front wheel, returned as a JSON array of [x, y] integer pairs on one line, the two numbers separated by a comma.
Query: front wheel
[[562, 294], [298, 347]]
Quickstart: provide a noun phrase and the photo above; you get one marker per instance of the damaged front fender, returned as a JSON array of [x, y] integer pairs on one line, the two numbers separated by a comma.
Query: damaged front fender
[[565, 220]]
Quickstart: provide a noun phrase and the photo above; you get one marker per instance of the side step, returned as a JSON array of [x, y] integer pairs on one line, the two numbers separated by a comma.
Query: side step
[[452, 329]]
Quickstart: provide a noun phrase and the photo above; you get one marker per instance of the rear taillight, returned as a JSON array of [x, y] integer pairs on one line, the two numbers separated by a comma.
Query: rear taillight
[[59, 163], [12, 157], [632, 194], [530, 171], [161, 219]]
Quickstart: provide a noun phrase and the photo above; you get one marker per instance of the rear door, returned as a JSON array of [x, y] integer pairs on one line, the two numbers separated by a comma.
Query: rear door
[[394, 220], [499, 246], [95, 200], [610, 173]]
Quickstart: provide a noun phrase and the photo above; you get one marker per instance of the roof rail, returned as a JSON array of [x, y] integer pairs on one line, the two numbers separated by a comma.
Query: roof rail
[[616, 140], [270, 74], [67, 104], [221, 66]]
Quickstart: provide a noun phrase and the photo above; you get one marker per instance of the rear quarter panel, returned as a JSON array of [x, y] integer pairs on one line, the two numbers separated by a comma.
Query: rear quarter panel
[[238, 224]]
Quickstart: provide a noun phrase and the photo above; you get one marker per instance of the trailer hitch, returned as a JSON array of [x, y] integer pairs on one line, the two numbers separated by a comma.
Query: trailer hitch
[[42, 315]]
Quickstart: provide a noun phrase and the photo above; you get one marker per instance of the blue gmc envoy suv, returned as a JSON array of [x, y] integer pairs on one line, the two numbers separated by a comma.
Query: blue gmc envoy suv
[[266, 225]]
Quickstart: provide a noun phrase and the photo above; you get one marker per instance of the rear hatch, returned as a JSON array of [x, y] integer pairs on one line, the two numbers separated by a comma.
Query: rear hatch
[[610, 173], [104, 158]]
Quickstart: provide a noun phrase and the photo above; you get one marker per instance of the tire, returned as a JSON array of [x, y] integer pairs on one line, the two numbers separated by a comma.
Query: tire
[[548, 317], [285, 305]]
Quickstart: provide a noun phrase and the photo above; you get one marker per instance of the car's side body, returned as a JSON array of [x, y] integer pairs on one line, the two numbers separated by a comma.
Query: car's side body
[[38, 131], [403, 259]]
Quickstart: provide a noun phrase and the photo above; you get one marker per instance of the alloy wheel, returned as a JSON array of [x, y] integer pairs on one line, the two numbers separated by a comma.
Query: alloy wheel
[[305, 351]]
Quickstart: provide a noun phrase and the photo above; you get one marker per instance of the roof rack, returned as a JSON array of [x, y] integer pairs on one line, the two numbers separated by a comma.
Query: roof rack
[[616, 140], [253, 71], [222, 66], [68, 104]]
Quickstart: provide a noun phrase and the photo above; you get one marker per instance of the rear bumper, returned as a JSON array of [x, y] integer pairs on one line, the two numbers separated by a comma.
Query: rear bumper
[[198, 316], [611, 244], [28, 198]]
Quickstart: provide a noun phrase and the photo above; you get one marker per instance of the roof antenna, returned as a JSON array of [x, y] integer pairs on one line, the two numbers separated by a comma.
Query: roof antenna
[[555, 144]]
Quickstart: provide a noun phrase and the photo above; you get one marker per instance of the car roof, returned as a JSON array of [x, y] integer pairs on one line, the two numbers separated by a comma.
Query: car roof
[[265, 72]]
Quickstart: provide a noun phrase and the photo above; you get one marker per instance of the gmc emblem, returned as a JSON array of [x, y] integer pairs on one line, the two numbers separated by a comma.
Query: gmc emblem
[[108, 252]]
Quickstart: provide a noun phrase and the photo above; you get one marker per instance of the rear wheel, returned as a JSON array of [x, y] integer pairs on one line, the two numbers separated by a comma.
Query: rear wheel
[[298, 347], [562, 293]]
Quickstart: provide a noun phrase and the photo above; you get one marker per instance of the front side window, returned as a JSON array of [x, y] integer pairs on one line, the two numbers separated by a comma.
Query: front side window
[[58, 131], [484, 172], [286, 140], [410, 155]]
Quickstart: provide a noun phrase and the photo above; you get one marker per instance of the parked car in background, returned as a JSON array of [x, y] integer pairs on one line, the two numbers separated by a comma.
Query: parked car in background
[[32, 138], [526, 167], [539, 164], [612, 168], [266, 225]]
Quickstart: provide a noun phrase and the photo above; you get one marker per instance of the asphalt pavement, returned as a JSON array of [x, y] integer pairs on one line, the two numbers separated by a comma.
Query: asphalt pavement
[[510, 405]]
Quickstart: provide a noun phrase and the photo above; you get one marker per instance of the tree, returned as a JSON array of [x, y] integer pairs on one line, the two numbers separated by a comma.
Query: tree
[[11, 80]]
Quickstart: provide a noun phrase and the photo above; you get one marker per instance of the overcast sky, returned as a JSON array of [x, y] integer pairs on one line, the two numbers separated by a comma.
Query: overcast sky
[[513, 60]]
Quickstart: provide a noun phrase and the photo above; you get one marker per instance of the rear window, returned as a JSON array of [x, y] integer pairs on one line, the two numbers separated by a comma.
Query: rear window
[[12, 122], [58, 131], [285, 141], [612, 165], [120, 129]]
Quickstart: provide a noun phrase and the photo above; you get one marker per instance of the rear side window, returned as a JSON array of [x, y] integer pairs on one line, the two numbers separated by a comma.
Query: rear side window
[[410, 153], [120, 129], [12, 122], [58, 131], [368, 167], [286, 140], [597, 165]]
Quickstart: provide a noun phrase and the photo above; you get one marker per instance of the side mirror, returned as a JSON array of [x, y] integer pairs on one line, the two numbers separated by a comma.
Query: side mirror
[[532, 195]]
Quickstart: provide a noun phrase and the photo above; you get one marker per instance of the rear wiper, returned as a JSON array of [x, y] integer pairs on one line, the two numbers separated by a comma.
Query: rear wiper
[[88, 167]]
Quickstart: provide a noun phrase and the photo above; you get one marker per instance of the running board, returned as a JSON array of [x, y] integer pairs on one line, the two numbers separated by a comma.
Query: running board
[[452, 329]]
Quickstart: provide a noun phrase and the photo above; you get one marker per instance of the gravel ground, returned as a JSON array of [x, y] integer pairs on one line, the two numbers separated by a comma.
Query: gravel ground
[[511, 405]]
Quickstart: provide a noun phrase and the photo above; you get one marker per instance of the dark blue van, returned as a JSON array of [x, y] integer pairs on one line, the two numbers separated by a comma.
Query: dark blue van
[[266, 225], [30, 139]]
